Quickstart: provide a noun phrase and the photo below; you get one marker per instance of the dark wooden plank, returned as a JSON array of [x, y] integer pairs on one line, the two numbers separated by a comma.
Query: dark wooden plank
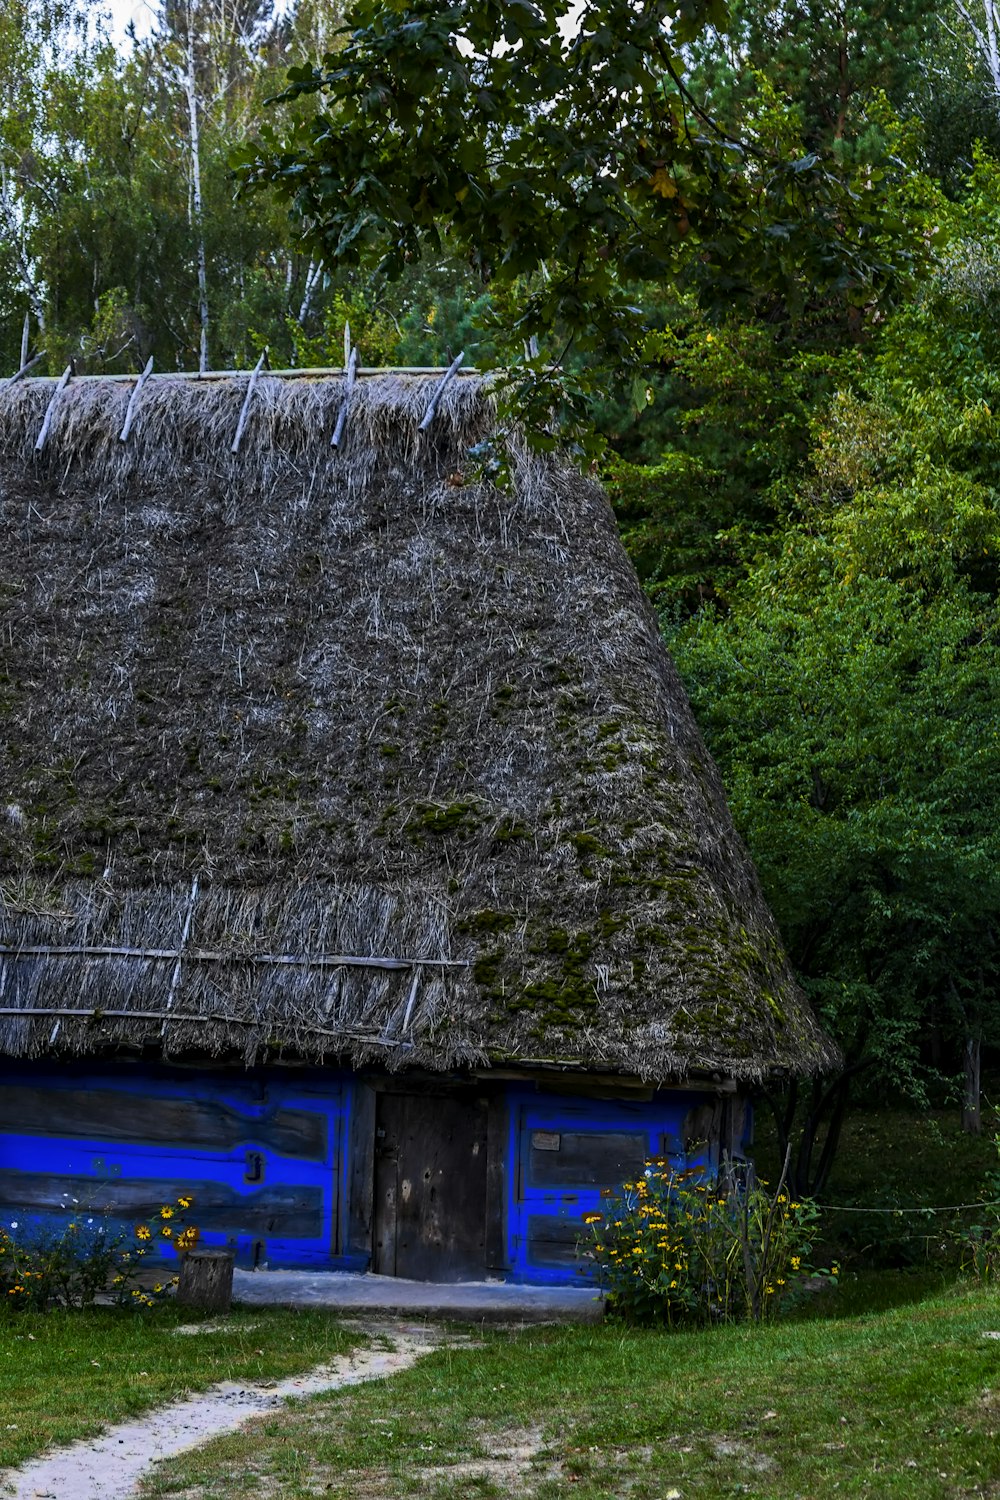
[[361, 1170], [496, 1183], [117, 1116], [291, 1212], [556, 1241], [585, 1158], [702, 1127], [389, 1127]]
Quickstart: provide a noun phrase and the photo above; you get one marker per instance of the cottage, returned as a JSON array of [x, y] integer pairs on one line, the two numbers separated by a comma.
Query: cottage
[[362, 870]]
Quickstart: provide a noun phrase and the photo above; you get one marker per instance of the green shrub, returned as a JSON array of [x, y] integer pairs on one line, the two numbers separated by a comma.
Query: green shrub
[[73, 1264], [674, 1248], [979, 1241]]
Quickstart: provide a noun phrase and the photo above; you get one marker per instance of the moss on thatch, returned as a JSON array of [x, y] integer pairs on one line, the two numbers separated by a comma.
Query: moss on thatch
[[284, 709]]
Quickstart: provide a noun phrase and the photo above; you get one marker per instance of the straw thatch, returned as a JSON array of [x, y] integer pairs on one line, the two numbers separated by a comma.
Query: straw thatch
[[269, 715]]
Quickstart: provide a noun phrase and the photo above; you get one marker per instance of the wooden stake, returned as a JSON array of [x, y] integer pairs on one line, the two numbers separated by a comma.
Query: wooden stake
[[25, 336], [410, 1003], [431, 411], [246, 404], [130, 409], [63, 382], [352, 375], [20, 374], [348, 346]]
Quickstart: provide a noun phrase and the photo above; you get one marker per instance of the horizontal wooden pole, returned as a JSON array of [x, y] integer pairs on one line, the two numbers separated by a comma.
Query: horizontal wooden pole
[[304, 374], [209, 955], [184, 1018]]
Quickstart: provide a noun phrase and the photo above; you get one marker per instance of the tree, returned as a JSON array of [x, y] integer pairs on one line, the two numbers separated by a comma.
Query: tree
[[566, 172], [849, 693], [832, 60]]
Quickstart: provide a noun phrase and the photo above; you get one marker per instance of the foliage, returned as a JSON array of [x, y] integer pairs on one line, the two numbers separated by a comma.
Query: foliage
[[848, 690], [832, 61], [568, 172], [675, 1248], [730, 414], [97, 236], [73, 1264]]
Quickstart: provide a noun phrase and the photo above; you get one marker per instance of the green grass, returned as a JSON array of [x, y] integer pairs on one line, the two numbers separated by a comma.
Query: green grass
[[901, 1404], [65, 1375]]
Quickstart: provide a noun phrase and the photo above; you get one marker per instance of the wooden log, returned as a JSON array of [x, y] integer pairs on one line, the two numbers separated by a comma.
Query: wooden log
[[133, 399], [25, 367], [352, 375], [137, 1115], [449, 374], [300, 372], [246, 403], [206, 1280], [63, 382], [212, 955]]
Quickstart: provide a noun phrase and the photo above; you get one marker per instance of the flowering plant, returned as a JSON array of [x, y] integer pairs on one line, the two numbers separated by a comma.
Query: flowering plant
[[676, 1247], [86, 1258]]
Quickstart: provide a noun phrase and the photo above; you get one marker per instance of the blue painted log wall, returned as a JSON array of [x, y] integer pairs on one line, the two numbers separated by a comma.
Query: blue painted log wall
[[266, 1155], [259, 1151]]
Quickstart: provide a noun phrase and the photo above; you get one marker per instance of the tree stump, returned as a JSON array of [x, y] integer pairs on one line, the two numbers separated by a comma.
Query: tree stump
[[206, 1279]]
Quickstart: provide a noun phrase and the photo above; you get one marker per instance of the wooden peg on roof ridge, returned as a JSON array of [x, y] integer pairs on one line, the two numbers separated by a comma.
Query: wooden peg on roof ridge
[[352, 375], [432, 407], [64, 380], [133, 399], [25, 337], [348, 346], [246, 403], [20, 374]]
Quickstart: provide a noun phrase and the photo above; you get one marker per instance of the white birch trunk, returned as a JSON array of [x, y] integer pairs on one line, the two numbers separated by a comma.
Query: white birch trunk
[[12, 221], [986, 34], [197, 215]]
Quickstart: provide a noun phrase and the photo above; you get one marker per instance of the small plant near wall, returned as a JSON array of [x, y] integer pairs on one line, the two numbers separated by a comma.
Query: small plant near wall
[[675, 1247], [86, 1260]]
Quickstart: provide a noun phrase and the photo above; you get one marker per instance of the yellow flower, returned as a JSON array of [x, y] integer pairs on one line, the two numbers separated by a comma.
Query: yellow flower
[[166, 1212], [796, 1262], [184, 1202], [592, 1218], [166, 1231], [834, 1270], [142, 1231], [158, 1287]]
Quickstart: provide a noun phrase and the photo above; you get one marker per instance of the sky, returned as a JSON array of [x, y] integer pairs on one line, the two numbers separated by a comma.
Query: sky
[[142, 12], [124, 11]]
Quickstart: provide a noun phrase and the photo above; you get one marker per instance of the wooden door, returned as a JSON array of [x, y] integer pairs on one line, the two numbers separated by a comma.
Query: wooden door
[[430, 1187]]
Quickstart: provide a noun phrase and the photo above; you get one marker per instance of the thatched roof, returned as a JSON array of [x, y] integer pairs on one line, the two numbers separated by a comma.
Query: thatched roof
[[275, 719]]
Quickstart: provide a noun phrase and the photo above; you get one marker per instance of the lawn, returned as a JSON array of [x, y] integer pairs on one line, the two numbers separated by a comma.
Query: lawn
[[902, 1403], [65, 1375]]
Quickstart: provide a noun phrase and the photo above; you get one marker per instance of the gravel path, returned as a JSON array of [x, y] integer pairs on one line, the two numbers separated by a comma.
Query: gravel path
[[109, 1467]]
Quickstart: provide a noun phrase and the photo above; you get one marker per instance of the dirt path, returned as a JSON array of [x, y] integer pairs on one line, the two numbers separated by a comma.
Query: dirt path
[[109, 1467]]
